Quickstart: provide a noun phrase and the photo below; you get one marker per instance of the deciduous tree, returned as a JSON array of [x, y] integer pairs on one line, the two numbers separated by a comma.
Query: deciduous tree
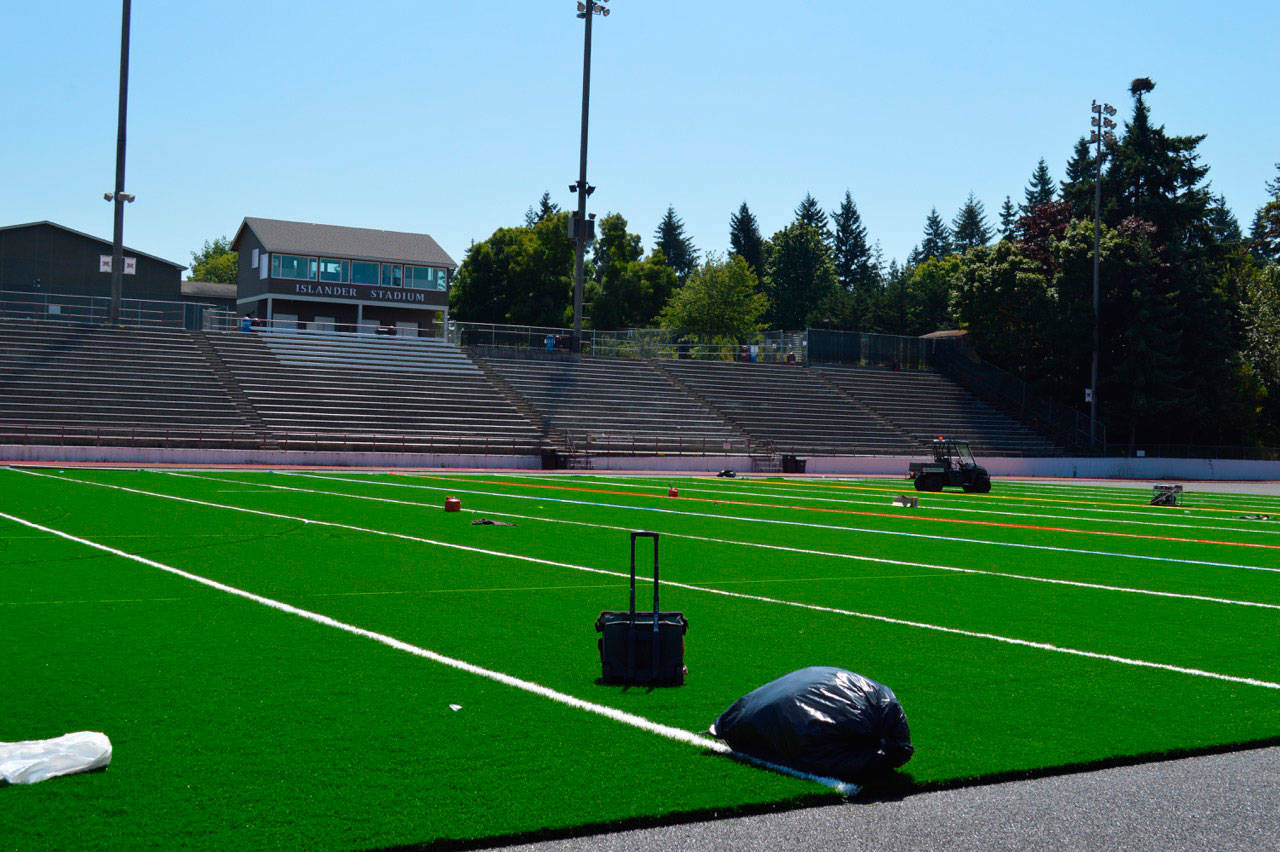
[[521, 276], [215, 262], [719, 301]]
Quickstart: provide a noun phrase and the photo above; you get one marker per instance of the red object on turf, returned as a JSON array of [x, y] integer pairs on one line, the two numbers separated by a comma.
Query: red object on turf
[[452, 504], [673, 492]]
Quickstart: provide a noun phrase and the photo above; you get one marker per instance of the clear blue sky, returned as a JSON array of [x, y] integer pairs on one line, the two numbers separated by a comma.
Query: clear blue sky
[[453, 118]]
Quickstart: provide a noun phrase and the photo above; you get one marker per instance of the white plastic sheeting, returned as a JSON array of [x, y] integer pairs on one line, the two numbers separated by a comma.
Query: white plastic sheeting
[[36, 760]]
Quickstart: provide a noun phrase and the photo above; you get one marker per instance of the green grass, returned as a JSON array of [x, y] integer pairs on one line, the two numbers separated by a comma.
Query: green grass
[[235, 724]]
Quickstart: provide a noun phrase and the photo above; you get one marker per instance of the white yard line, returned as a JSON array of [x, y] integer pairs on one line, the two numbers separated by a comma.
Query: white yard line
[[849, 500], [895, 533], [775, 547], [676, 734], [1007, 640]]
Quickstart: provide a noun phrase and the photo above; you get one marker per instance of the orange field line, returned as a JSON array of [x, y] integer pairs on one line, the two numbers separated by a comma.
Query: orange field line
[[961, 521]]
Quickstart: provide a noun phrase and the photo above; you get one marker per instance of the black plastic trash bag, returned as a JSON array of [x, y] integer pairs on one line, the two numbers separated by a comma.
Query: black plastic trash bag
[[821, 720]]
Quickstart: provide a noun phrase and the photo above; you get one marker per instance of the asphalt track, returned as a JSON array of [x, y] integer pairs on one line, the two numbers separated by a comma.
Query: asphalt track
[[1222, 802]]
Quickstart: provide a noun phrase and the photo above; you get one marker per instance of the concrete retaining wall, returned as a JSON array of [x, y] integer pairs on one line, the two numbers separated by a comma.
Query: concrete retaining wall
[[894, 466], [1066, 468], [685, 464], [265, 458]]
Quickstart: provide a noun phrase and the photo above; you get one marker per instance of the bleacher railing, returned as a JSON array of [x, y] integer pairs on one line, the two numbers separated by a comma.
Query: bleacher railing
[[96, 310], [626, 444], [640, 343], [871, 350], [1006, 391], [228, 321]]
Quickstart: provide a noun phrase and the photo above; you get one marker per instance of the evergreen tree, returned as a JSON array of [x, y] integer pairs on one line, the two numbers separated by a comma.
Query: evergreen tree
[[678, 249], [1264, 234], [888, 312], [855, 266], [799, 275], [745, 240], [811, 214], [969, 228], [1008, 220], [1077, 186], [1156, 177], [545, 208], [1040, 189], [1223, 225], [937, 239]]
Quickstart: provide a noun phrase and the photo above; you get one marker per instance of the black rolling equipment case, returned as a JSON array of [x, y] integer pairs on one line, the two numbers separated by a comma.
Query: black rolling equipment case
[[642, 647]]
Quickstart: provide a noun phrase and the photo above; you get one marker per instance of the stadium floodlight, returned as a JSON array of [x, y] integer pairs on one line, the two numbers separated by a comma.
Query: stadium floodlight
[[587, 10], [120, 197], [1101, 134]]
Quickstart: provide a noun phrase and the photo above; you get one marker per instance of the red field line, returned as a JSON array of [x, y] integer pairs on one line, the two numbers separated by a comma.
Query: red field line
[[960, 521]]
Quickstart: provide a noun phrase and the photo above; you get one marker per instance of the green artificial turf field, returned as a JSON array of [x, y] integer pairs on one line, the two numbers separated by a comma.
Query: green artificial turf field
[[1032, 629]]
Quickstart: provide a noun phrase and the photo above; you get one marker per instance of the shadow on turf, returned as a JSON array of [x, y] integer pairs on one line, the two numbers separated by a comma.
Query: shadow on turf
[[893, 787]]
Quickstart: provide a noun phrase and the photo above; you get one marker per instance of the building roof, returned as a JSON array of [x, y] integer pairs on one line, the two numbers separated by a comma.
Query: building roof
[[106, 243], [209, 289], [277, 235]]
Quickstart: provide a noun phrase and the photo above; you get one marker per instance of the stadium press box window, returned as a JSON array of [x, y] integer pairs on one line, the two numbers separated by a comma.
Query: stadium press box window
[[367, 272], [424, 278], [364, 272], [294, 267], [335, 271]]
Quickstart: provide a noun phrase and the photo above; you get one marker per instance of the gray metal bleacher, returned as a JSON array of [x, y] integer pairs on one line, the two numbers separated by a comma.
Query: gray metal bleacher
[[334, 390], [604, 405], [927, 405], [78, 384], [790, 407]]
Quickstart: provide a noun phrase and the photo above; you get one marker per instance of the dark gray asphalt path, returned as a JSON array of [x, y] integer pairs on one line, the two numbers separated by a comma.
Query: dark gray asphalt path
[[1217, 802]]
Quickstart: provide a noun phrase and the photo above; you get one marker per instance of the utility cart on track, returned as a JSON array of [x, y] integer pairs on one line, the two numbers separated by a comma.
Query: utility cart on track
[[953, 465]]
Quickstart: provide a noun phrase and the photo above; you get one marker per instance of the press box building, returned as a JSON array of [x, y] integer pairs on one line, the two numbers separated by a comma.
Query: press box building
[[328, 276]]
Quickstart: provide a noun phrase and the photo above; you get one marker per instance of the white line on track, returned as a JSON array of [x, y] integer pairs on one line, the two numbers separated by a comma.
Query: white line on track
[[850, 500], [776, 522], [884, 619], [776, 547], [676, 734]]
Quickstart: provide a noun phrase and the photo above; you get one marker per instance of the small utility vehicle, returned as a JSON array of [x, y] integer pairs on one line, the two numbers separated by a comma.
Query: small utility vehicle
[[953, 464]]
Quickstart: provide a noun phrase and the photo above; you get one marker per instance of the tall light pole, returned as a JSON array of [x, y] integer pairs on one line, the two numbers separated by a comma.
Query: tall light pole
[[1102, 127], [119, 197], [580, 227]]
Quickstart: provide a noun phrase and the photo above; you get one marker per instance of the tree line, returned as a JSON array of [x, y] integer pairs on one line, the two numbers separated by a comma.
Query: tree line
[[1189, 304]]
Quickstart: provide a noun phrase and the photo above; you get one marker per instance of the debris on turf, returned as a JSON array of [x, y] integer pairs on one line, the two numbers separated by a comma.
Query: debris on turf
[[673, 492], [455, 707], [33, 761], [1165, 495], [907, 502], [487, 522], [822, 720], [452, 504]]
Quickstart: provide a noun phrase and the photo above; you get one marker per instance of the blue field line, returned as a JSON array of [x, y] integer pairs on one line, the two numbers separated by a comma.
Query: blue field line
[[936, 507], [777, 547], [804, 524], [883, 619]]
